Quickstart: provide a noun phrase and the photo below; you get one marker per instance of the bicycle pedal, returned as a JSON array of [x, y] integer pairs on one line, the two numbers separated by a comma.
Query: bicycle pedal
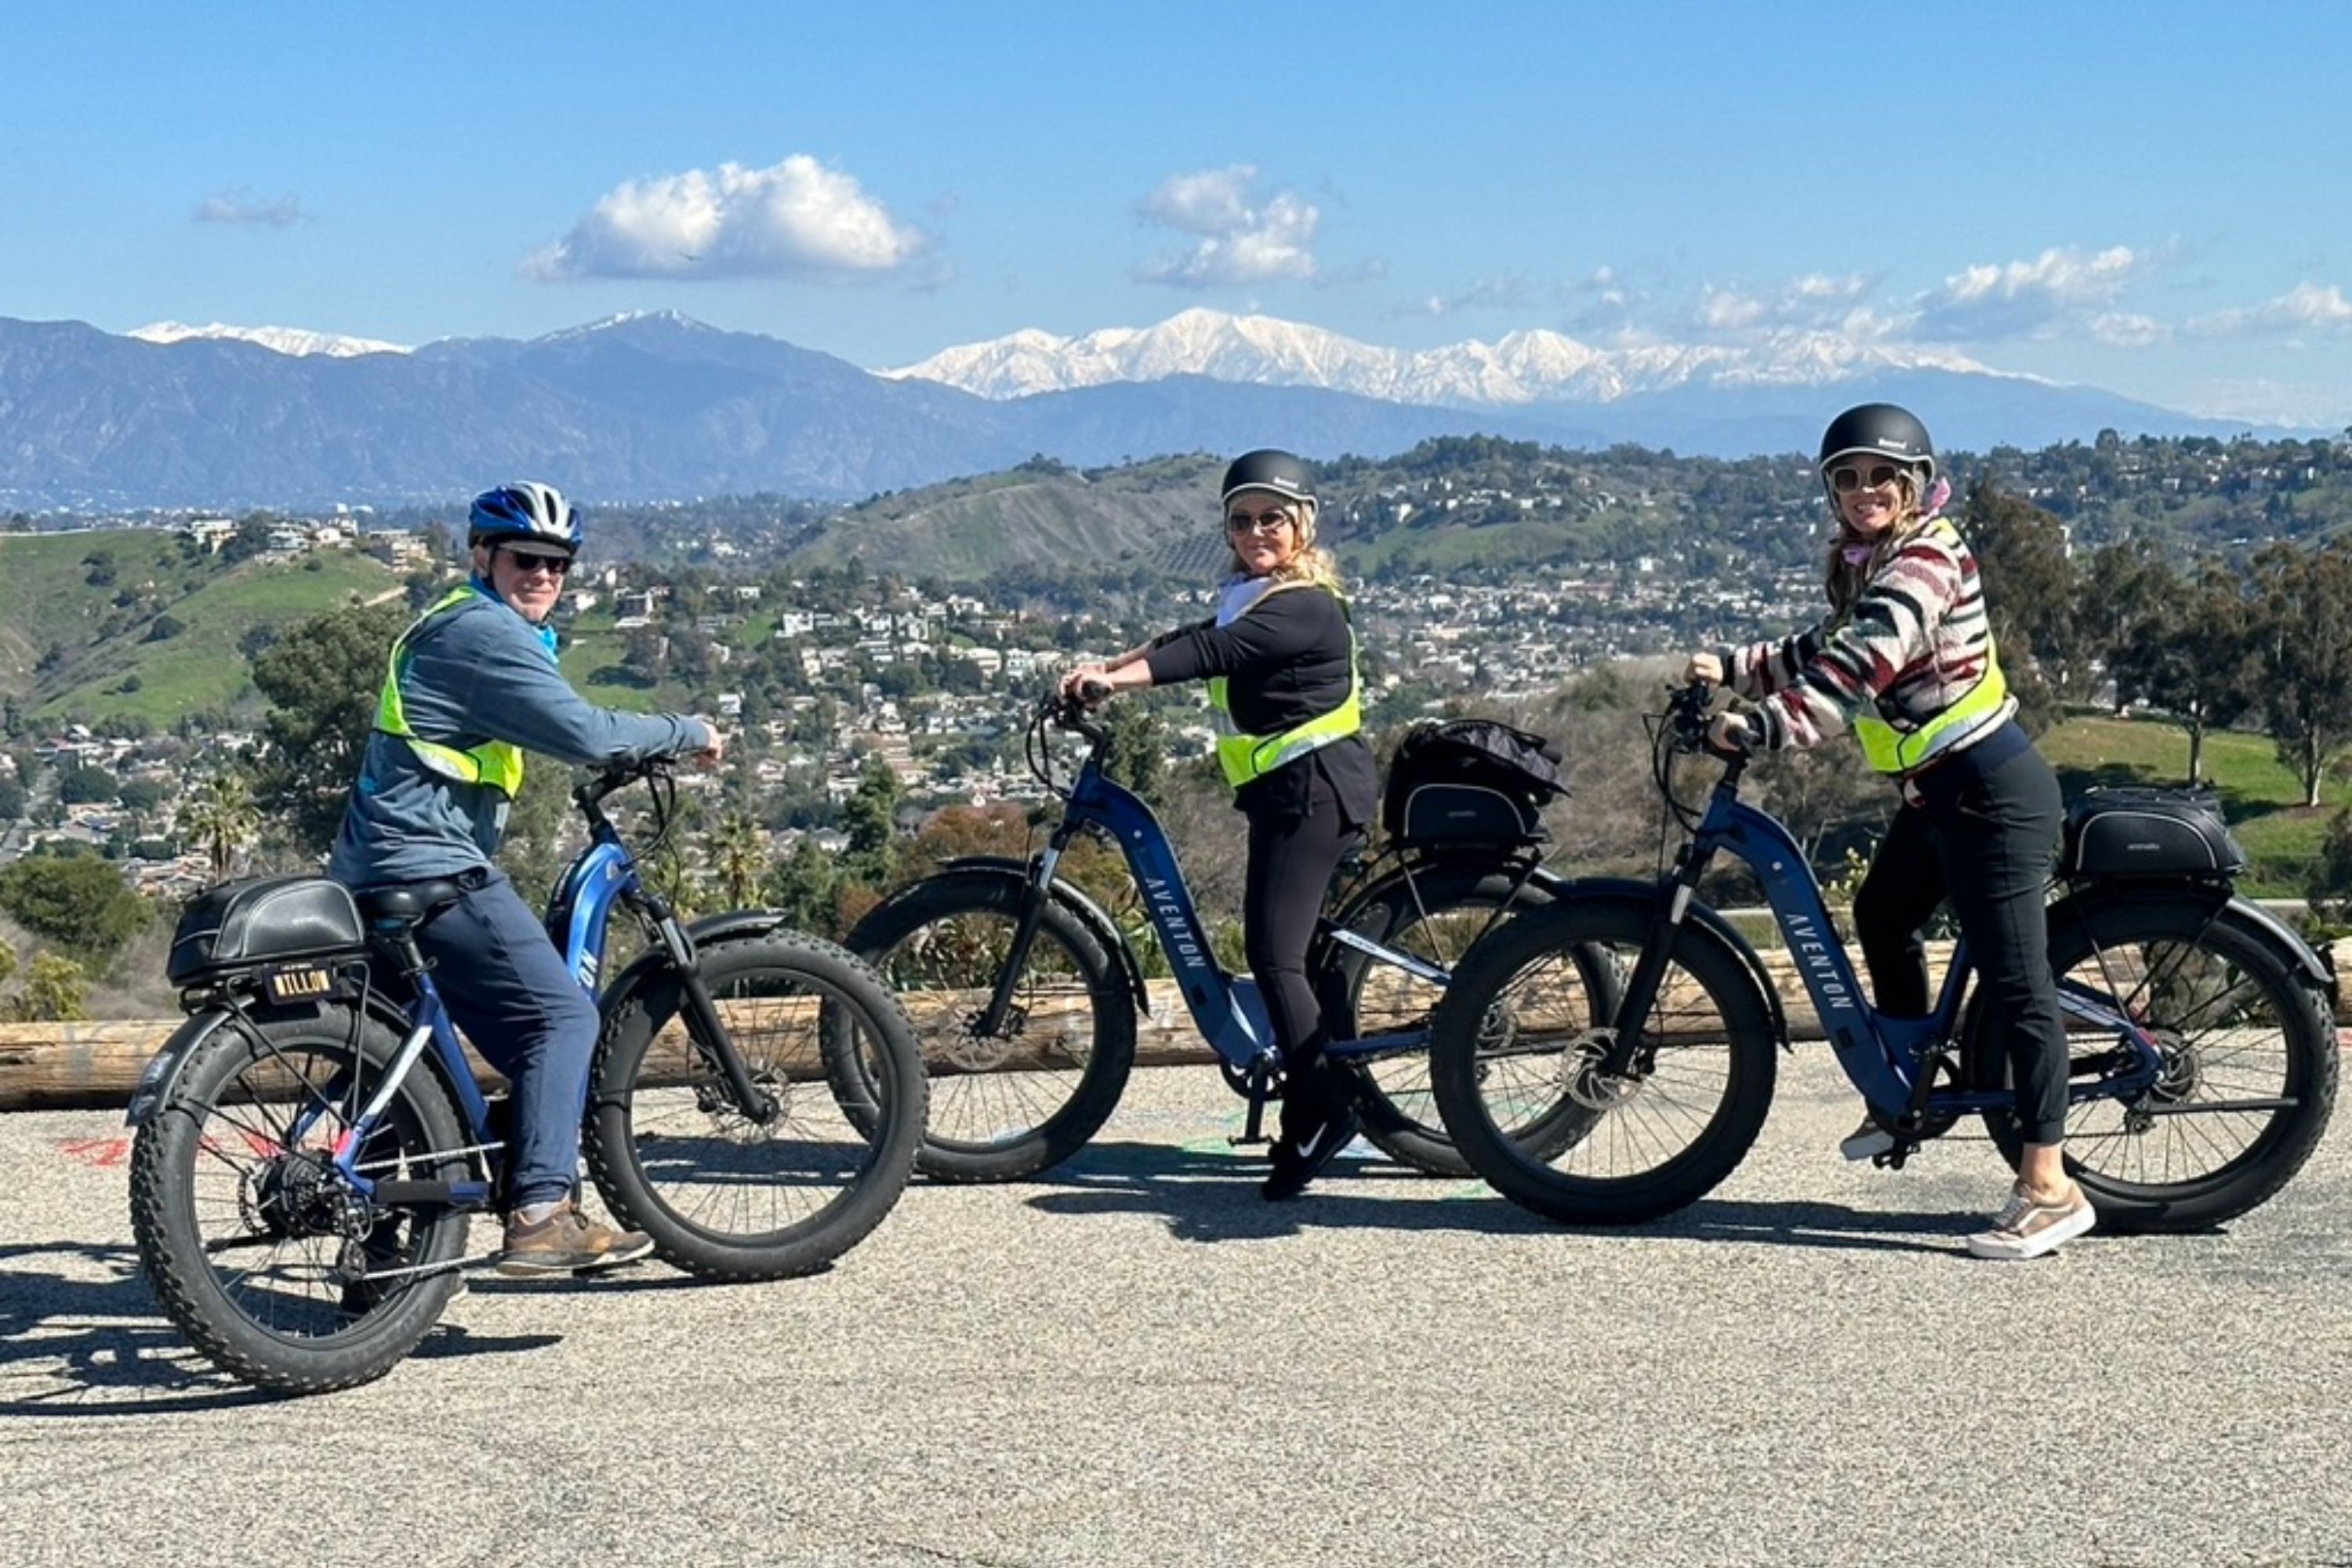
[[1892, 1158]]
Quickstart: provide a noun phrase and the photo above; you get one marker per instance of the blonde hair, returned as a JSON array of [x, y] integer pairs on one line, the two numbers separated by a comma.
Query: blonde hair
[[1312, 563], [1844, 579]]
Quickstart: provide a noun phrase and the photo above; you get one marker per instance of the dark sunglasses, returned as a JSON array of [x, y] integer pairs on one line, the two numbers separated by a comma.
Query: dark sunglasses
[[1262, 522], [555, 565], [1848, 478]]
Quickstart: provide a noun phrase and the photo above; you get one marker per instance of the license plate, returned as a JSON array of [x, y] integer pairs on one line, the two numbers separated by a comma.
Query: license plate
[[304, 983]]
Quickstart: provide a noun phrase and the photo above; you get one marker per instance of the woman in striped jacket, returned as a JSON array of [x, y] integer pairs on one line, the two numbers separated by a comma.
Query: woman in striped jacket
[[1905, 656]]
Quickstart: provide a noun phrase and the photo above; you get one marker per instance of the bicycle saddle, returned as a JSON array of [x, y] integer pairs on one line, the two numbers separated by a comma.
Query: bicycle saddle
[[409, 903]]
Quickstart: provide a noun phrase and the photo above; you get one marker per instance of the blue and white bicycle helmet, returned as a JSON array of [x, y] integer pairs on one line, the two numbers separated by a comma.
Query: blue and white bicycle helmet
[[525, 513]]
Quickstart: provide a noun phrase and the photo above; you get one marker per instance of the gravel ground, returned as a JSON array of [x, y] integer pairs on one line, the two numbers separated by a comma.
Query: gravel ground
[[1135, 1361]]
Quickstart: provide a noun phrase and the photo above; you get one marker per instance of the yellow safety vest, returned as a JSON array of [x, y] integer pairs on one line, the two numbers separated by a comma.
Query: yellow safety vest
[[1247, 757], [1892, 750], [498, 764]]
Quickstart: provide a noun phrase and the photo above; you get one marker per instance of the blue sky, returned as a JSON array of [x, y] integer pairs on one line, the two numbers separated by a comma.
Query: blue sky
[[2148, 198]]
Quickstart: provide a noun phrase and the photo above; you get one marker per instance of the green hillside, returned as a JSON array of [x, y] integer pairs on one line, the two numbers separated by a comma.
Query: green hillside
[[115, 651], [1038, 518]]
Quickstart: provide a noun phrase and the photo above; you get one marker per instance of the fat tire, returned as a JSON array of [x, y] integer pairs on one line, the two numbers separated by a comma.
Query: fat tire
[[164, 1157], [1064, 1130], [891, 1129], [1580, 928], [2311, 1054]]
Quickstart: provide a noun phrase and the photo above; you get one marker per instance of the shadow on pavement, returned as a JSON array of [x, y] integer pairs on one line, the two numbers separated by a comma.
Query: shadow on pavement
[[1209, 1194], [77, 1347]]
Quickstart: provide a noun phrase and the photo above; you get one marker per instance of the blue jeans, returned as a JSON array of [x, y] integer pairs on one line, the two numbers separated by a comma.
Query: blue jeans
[[506, 986]]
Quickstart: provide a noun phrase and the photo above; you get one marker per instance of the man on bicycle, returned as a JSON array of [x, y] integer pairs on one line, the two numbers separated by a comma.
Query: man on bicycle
[[470, 687]]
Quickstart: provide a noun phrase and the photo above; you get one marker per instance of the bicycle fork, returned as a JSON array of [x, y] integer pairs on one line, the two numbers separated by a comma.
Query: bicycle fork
[[990, 1022], [718, 1047]]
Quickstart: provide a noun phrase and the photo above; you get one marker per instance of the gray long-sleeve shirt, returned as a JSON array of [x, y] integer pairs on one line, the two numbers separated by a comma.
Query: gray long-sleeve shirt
[[479, 672]]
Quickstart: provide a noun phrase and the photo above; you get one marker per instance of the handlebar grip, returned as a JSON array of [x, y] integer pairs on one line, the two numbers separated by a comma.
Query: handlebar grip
[[1092, 691]]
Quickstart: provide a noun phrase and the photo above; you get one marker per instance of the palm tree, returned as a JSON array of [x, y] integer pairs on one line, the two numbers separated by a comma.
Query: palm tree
[[222, 817], [739, 859]]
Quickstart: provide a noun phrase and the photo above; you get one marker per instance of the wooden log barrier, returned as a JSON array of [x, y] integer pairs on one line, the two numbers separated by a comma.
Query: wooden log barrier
[[95, 1065]]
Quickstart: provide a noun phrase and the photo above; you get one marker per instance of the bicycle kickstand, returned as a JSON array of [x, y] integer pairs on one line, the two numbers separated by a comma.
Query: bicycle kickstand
[[1261, 1089]]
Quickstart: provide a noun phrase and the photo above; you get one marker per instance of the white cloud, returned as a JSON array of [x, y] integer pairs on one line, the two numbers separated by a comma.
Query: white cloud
[[1243, 238], [2128, 330], [795, 219], [2305, 307], [1816, 302], [239, 207], [2026, 299], [1503, 291]]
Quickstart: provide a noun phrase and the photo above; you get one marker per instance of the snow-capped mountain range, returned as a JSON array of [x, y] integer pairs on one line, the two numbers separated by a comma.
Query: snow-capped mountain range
[[291, 341], [1520, 368]]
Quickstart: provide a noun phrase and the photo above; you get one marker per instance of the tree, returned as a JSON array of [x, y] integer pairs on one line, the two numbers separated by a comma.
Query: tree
[[220, 818], [55, 987], [322, 678], [871, 820], [2304, 629], [738, 854], [77, 901], [2028, 587], [805, 889], [2189, 648], [85, 784], [1137, 754]]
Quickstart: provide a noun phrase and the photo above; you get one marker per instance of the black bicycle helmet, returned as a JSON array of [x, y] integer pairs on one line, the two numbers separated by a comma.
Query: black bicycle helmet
[[1267, 468], [1882, 430]]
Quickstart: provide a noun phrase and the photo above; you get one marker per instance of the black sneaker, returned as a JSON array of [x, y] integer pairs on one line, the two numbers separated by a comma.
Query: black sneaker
[[1295, 1163], [568, 1242]]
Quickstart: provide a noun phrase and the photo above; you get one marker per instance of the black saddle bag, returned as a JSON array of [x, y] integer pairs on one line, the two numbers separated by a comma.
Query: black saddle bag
[[2132, 832], [1469, 783], [263, 919]]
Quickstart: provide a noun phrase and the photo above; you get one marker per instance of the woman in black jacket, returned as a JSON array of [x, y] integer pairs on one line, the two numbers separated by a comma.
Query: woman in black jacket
[[1280, 658]]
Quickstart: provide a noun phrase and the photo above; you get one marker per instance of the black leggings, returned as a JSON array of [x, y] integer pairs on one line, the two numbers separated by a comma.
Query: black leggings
[[1981, 830], [1291, 858]]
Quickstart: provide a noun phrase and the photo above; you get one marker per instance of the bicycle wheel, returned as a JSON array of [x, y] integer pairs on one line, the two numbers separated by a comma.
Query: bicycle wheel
[[1435, 916], [254, 1246], [1029, 1096], [1513, 1037], [726, 1197], [2236, 1021]]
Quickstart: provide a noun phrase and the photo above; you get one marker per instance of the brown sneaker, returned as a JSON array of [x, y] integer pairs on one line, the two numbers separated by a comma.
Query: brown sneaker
[[567, 1242], [2027, 1227]]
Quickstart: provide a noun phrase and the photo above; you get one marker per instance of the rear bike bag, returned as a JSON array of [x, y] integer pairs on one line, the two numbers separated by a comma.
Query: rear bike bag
[[1469, 782], [2127, 833], [263, 919]]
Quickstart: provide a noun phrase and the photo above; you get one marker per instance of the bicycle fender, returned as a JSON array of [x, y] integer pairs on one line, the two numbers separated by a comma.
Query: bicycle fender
[[2223, 901], [1092, 915], [161, 1073], [1698, 920], [734, 925]]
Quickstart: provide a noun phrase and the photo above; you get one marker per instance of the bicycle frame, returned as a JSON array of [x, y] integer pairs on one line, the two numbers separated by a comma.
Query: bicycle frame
[[1886, 1058], [603, 875], [1226, 1007]]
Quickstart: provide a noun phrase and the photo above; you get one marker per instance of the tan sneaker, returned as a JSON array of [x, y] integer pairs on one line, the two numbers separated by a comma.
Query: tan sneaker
[[568, 1242], [2027, 1227]]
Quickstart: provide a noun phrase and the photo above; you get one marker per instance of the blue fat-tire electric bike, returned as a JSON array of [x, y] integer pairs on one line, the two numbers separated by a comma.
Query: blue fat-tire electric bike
[[312, 1142], [1025, 991], [2204, 1059]]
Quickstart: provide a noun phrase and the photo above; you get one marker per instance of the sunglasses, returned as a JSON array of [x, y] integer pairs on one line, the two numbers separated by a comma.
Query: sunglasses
[[1848, 478], [555, 565], [1262, 522]]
